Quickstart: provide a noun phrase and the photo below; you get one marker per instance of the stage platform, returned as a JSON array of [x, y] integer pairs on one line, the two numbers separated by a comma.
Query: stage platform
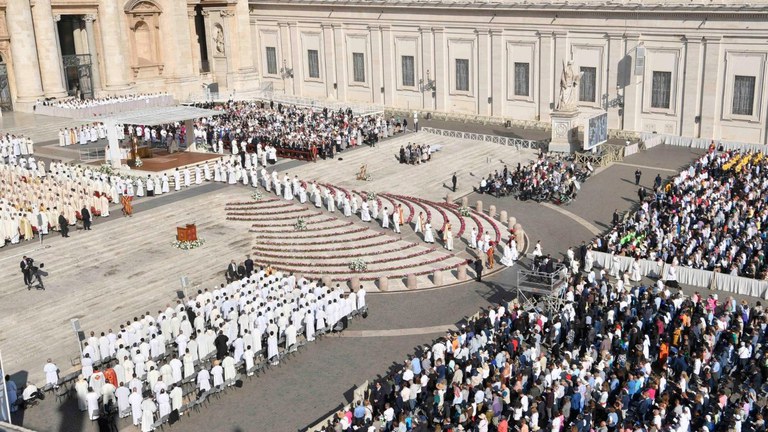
[[161, 160]]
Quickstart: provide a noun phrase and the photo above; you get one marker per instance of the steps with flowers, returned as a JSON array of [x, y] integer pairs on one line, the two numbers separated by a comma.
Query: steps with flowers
[[332, 246]]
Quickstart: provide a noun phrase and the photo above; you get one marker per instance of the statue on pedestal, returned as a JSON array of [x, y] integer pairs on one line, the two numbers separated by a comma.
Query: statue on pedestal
[[569, 88]]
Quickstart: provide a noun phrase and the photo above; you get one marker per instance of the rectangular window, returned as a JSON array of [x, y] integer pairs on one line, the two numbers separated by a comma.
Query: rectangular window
[[522, 71], [408, 73], [462, 74], [358, 66], [743, 95], [661, 87], [271, 61], [314, 63], [587, 84]]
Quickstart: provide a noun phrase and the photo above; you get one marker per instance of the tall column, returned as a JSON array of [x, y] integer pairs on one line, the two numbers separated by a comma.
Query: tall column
[[691, 88], [483, 70], [615, 56], [245, 37], [56, 19], [26, 69], [341, 56], [441, 69], [711, 99], [47, 52], [112, 42], [498, 80], [327, 59], [194, 42], [634, 85], [546, 76], [381, 70], [95, 58]]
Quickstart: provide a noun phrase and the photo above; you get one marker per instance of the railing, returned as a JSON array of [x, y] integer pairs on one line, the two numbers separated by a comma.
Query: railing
[[470, 118], [518, 143], [702, 143], [357, 109], [92, 154]]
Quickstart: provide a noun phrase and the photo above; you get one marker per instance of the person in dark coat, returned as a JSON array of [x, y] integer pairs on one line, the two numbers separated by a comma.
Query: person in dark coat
[[248, 265], [86, 215], [453, 181], [478, 265], [221, 346], [638, 174], [63, 225]]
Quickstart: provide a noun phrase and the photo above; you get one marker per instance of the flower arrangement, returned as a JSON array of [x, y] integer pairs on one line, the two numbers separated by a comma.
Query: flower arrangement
[[300, 225], [256, 195], [138, 163], [106, 169], [371, 195], [358, 265], [367, 177], [188, 245], [464, 211]]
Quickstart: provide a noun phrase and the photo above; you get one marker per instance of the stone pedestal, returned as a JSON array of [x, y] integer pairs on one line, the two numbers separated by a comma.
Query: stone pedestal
[[565, 131], [479, 206], [464, 202], [327, 281], [412, 283], [512, 222], [492, 211], [383, 283], [461, 273], [449, 197], [437, 278], [503, 216], [354, 284]]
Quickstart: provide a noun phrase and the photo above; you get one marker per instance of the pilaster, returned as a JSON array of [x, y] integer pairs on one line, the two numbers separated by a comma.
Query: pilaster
[[95, 57], [295, 61], [498, 82], [711, 100], [341, 70], [615, 56], [427, 63], [546, 75], [692, 88], [441, 71], [634, 85], [330, 71], [483, 72], [112, 42]]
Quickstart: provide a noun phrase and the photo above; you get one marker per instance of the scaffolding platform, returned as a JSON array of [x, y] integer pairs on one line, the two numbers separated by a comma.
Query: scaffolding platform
[[542, 291]]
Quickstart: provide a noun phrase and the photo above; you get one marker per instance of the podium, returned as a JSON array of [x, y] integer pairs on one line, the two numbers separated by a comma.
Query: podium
[[186, 233]]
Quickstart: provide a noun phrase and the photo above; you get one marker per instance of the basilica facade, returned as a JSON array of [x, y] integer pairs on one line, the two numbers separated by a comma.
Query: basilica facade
[[695, 68]]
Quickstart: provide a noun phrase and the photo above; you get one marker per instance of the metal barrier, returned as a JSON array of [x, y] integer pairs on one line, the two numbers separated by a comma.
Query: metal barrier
[[92, 154], [518, 143]]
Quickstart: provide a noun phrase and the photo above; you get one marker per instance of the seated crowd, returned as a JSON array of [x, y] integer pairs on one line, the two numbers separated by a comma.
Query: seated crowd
[[158, 364], [617, 357], [713, 216], [77, 103], [322, 132], [548, 178]]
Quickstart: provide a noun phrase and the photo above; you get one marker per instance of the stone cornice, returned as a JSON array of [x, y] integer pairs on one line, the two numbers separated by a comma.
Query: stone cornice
[[737, 8]]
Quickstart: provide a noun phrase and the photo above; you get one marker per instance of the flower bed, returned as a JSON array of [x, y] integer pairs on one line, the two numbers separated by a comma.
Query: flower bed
[[492, 223], [305, 217], [188, 245], [283, 231], [361, 229], [411, 212], [291, 217], [372, 235], [269, 213], [326, 272], [242, 203], [261, 249], [402, 275], [358, 265], [341, 264], [293, 224], [452, 209]]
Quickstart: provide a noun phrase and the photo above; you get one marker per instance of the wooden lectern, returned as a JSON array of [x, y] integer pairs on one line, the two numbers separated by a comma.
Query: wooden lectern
[[187, 233]]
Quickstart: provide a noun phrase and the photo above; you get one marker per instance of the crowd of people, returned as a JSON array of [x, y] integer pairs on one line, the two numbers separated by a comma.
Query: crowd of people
[[154, 365], [712, 216], [77, 103], [619, 356], [415, 154], [320, 131], [15, 148], [552, 178], [82, 135]]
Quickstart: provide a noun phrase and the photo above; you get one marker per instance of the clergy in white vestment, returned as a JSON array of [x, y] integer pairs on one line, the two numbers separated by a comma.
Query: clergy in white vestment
[[176, 180], [165, 184], [187, 177], [135, 400], [148, 410], [429, 236], [51, 373], [228, 364], [81, 389], [365, 214], [123, 395], [139, 188], [177, 397], [164, 403], [272, 350], [510, 253], [198, 175], [203, 381], [384, 218]]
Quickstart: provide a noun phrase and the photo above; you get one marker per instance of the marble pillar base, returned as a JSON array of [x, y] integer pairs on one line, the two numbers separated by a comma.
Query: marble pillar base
[[565, 131]]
